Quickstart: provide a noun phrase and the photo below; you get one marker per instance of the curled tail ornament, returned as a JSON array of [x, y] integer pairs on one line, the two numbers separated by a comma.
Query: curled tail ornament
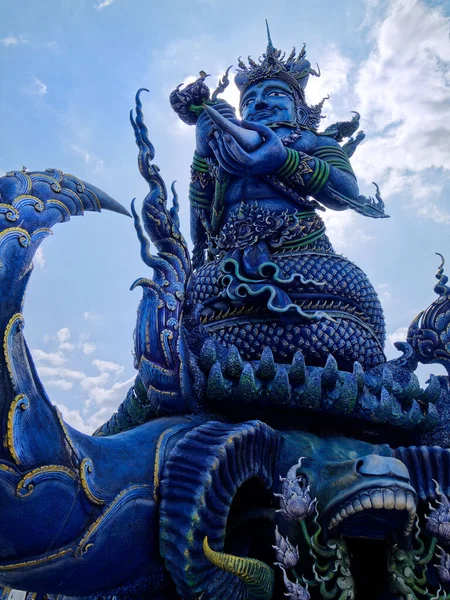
[[158, 352]]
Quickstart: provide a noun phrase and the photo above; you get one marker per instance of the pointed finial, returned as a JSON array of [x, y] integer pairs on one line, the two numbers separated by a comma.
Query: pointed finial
[[441, 288], [270, 46]]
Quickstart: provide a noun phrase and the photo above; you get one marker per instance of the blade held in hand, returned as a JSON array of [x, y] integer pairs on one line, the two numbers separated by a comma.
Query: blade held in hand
[[248, 139]]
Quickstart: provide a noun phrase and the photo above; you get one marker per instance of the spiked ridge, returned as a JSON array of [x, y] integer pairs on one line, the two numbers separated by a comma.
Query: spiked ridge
[[387, 395]]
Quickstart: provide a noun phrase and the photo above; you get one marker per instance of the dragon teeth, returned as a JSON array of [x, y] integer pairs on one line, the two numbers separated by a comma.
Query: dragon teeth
[[365, 501], [389, 499], [400, 500], [357, 505], [410, 503], [377, 499], [350, 509]]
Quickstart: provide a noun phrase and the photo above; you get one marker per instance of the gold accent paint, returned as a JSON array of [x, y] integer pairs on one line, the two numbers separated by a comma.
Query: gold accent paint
[[9, 437], [155, 366], [18, 317], [255, 574], [27, 177], [59, 203], [161, 439], [9, 208], [78, 182], [26, 481], [38, 204], [89, 191], [163, 392], [83, 546], [41, 230], [7, 469], [87, 465], [36, 561], [23, 233]]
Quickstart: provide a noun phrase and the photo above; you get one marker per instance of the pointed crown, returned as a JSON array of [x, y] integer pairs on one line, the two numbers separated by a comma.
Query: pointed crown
[[295, 70]]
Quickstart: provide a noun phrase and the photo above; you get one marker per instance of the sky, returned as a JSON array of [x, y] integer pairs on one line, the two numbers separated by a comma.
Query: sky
[[69, 72]]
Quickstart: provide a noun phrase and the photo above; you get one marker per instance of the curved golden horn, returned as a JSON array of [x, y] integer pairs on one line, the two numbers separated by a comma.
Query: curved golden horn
[[258, 576]]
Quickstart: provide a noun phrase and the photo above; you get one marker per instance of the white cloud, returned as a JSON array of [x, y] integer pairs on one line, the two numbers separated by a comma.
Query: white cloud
[[383, 292], [101, 4], [89, 383], [342, 229], [102, 394], [404, 96], [88, 348], [36, 88], [336, 68], [399, 335], [13, 40], [90, 316], [63, 335], [106, 366], [62, 384], [74, 418], [66, 347], [89, 157], [54, 358], [61, 372], [434, 213], [39, 259]]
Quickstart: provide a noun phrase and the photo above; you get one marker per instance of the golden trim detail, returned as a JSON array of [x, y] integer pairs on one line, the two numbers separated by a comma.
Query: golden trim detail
[[17, 318], [23, 235], [36, 561], [26, 483], [86, 467], [83, 545], [59, 204], [21, 401], [8, 469]]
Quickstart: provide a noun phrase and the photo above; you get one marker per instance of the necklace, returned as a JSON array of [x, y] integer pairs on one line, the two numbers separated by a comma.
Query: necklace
[[292, 137]]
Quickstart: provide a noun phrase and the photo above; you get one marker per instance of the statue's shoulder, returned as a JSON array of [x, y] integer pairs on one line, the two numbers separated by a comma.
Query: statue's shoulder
[[326, 140], [307, 142]]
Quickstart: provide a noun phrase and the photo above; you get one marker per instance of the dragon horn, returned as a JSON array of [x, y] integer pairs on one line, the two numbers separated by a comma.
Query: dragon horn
[[258, 576], [247, 138], [105, 201]]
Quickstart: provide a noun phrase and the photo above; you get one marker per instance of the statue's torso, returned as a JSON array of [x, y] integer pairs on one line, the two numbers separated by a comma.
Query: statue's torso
[[259, 188]]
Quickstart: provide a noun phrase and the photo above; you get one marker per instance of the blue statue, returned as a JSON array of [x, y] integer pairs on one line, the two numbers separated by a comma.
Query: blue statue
[[266, 449]]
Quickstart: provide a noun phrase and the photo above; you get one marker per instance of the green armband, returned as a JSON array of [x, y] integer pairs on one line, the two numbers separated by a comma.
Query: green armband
[[335, 157], [198, 198], [290, 165], [319, 177], [199, 164]]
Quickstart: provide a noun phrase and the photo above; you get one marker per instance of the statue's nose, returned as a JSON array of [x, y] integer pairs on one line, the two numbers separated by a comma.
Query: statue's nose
[[373, 465], [260, 104]]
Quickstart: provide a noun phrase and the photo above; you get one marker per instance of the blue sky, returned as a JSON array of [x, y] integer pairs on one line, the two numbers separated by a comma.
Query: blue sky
[[70, 70]]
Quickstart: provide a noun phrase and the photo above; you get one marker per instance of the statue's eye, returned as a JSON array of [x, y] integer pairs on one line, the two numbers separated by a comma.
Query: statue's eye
[[277, 95], [247, 102]]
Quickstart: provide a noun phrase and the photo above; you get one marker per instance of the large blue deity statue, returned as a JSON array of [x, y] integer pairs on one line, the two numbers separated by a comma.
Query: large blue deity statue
[[267, 448]]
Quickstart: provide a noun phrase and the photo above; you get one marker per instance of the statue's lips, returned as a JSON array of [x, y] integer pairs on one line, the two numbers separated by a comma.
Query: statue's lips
[[372, 501]]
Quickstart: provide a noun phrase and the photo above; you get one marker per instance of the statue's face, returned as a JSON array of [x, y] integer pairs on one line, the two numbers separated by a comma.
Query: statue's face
[[362, 490], [270, 101]]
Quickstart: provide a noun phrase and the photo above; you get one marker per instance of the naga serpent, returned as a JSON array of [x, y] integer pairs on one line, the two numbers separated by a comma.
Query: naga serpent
[[266, 445]]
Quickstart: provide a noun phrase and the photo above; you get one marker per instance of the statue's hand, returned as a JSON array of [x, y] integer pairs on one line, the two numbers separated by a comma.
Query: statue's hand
[[204, 128], [265, 160]]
